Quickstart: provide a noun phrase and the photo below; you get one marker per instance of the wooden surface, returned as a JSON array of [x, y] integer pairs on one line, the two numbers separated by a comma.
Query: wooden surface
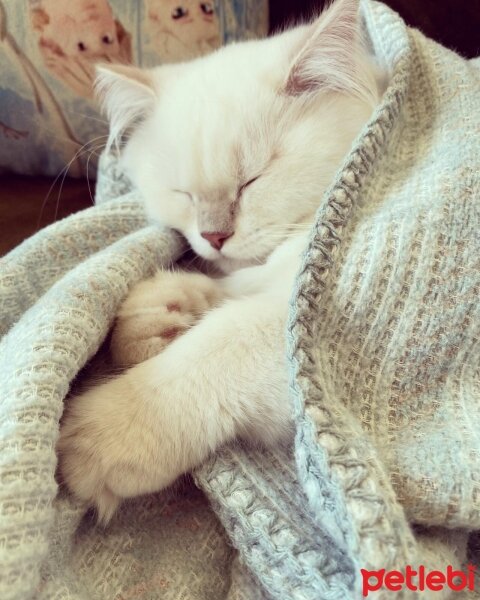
[[29, 203]]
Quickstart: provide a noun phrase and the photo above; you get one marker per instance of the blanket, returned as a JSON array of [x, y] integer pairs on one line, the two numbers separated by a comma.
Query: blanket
[[383, 353]]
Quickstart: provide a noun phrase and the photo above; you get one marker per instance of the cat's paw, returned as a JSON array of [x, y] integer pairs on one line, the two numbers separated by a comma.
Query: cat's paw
[[110, 448], [157, 311]]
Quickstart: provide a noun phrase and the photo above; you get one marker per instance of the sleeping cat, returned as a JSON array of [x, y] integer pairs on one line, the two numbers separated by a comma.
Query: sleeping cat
[[234, 150]]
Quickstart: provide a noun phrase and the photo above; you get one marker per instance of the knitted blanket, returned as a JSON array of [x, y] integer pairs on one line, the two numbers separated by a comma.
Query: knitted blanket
[[383, 348]]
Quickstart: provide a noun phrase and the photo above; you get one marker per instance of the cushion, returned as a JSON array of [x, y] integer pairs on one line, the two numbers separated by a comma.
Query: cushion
[[48, 49]]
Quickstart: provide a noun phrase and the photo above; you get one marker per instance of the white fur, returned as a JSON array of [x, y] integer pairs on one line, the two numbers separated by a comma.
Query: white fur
[[284, 110]]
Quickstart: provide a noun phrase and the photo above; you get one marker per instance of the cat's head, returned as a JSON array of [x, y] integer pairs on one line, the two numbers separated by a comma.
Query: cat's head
[[235, 149]]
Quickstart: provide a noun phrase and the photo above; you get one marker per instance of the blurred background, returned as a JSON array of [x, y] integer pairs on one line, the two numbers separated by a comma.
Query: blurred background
[[453, 23]]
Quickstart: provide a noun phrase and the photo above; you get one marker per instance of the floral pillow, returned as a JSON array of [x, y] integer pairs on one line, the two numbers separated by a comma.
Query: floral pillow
[[48, 49]]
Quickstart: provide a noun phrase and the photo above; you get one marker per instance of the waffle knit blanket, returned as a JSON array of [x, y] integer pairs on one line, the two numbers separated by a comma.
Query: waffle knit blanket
[[383, 348]]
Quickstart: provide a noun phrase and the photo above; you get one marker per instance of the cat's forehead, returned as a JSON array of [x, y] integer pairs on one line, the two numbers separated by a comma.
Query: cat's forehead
[[214, 139], [206, 109], [238, 70], [216, 116], [221, 93]]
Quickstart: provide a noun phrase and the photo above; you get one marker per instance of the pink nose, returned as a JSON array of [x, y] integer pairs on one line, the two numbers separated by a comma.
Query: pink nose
[[216, 239]]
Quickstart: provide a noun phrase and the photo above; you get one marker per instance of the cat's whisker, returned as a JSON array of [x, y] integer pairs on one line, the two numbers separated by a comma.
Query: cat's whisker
[[51, 188], [90, 153], [92, 199], [282, 231], [281, 235], [192, 261], [293, 226], [63, 174], [92, 118]]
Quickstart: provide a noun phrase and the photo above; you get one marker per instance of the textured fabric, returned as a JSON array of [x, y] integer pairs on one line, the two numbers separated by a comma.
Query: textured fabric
[[48, 49], [112, 182], [168, 544], [382, 344]]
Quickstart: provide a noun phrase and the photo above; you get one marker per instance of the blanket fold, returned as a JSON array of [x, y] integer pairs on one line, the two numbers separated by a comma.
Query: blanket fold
[[383, 352]]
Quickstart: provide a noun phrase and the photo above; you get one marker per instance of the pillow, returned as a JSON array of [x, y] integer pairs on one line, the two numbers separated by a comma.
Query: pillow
[[48, 49]]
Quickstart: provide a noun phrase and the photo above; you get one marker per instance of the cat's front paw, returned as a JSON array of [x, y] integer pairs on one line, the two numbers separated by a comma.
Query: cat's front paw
[[110, 448], [157, 311]]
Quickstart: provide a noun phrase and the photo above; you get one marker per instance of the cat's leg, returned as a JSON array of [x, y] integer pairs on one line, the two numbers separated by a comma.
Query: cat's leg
[[223, 378], [157, 310]]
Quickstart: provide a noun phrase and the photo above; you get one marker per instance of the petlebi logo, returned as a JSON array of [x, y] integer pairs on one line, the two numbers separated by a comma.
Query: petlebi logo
[[418, 580]]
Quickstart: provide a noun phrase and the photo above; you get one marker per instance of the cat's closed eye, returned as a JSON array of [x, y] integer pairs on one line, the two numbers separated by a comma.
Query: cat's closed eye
[[246, 184], [184, 193]]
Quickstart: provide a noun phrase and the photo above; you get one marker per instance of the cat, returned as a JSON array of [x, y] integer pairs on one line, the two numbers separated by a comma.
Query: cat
[[182, 29], [234, 150]]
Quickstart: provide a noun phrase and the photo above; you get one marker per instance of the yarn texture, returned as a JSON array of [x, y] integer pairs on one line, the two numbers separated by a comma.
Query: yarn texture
[[383, 350]]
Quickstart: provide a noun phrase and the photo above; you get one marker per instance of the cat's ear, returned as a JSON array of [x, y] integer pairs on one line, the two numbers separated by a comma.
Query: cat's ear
[[127, 95], [327, 58]]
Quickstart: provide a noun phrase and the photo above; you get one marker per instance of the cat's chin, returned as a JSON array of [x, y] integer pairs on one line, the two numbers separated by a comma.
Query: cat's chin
[[229, 265], [223, 262]]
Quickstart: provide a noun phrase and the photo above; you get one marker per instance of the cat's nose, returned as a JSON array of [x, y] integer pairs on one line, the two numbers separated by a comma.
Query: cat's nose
[[216, 239]]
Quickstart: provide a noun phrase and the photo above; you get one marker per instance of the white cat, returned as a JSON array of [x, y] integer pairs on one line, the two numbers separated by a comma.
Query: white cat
[[233, 150]]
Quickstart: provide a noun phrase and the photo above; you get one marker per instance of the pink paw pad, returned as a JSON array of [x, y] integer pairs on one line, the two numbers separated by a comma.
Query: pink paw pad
[[170, 333], [174, 307]]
